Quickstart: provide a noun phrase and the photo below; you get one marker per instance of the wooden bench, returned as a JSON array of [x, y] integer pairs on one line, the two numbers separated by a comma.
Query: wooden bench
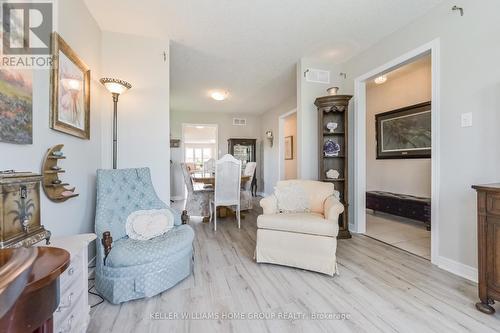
[[409, 206]]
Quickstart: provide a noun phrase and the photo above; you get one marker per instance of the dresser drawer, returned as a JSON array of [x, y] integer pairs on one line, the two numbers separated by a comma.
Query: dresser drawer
[[72, 314], [493, 204], [69, 310], [73, 274]]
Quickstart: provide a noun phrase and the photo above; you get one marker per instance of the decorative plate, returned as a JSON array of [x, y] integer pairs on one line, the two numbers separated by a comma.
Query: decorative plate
[[331, 126], [332, 174], [331, 148]]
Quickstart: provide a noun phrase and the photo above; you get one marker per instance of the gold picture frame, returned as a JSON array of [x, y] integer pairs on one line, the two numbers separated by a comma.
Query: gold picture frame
[[70, 91]]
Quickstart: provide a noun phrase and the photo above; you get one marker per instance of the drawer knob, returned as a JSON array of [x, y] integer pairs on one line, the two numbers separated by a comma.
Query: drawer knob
[[71, 271]]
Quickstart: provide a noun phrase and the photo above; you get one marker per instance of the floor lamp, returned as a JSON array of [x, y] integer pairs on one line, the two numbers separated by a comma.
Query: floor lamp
[[115, 87]]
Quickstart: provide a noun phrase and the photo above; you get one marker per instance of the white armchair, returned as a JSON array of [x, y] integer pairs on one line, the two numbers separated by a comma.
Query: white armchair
[[306, 240]]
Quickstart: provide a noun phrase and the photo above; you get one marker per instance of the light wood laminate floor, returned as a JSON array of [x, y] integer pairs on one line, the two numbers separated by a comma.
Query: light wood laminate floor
[[400, 232], [380, 289]]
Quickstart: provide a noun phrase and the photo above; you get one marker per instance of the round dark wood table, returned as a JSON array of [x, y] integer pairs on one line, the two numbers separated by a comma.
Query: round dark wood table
[[33, 309]]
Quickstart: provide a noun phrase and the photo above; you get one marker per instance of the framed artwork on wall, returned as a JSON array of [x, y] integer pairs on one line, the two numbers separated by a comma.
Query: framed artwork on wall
[[175, 143], [289, 148], [70, 91], [405, 132], [16, 106]]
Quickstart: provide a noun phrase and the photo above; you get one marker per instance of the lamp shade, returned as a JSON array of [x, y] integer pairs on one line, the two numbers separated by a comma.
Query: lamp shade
[[115, 86]]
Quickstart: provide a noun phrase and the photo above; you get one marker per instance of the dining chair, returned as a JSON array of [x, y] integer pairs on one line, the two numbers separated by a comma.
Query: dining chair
[[209, 169], [227, 186], [209, 166], [198, 200], [246, 188]]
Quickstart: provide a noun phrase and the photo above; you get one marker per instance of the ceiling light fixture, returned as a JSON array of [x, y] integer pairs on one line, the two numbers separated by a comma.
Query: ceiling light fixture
[[219, 95], [381, 79]]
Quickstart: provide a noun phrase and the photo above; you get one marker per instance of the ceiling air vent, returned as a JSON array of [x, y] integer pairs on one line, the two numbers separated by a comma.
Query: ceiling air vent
[[239, 122], [317, 75]]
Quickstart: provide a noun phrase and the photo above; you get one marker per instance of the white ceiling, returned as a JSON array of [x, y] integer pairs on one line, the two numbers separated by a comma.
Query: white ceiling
[[250, 47]]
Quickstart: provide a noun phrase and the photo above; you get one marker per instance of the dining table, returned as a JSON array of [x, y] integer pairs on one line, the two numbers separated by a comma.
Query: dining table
[[207, 178]]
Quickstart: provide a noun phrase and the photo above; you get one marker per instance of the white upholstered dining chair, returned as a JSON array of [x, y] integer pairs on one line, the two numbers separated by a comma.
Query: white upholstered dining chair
[[246, 188], [209, 166], [198, 200], [227, 186]]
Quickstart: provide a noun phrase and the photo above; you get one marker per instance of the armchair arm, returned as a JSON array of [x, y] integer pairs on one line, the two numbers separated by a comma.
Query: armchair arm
[[333, 208], [184, 217], [107, 242], [269, 204]]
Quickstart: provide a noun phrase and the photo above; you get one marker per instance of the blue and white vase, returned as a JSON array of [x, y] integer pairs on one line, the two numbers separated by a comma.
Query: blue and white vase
[[331, 148]]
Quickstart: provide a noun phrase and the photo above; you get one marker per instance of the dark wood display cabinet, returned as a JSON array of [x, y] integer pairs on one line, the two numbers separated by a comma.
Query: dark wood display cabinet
[[333, 130], [244, 150]]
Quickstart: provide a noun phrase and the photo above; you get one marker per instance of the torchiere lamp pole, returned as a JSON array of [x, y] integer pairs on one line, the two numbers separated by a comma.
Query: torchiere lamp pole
[[115, 87]]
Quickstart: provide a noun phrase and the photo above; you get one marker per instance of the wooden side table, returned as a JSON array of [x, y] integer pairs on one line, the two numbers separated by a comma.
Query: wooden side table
[[32, 312], [488, 241]]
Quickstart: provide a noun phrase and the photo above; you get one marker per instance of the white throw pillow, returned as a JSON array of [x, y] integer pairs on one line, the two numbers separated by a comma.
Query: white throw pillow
[[147, 224], [292, 199]]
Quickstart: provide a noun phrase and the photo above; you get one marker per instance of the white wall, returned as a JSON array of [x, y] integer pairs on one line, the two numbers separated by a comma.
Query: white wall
[[226, 130], [290, 129], [307, 117], [470, 82], [143, 112], [81, 32], [270, 155], [408, 85]]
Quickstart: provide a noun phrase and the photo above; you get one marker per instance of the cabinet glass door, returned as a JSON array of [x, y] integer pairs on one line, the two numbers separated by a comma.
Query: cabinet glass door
[[243, 153]]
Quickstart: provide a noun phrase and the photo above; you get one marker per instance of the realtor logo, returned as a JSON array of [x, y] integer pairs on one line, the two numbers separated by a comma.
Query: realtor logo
[[26, 33], [26, 27]]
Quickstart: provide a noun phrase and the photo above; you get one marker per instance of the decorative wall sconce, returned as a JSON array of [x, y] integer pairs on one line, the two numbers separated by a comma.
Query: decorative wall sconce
[[460, 9], [270, 137]]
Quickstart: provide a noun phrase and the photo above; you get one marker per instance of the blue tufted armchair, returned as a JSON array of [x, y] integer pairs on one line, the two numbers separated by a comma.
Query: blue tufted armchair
[[128, 269]]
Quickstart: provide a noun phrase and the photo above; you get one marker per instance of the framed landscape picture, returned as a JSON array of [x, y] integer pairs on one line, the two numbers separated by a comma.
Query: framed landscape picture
[[16, 106], [70, 91], [289, 148], [405, 132]]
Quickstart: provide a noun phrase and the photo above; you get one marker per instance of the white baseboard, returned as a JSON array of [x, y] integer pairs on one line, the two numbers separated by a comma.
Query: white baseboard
[[457, 268], [177, 198]]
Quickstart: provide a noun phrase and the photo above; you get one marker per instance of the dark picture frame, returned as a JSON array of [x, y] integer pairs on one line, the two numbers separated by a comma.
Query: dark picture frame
[[70, 105], [289, 148], [404, 133]]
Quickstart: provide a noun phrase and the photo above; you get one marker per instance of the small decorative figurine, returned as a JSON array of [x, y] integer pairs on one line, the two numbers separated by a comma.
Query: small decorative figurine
[[331, 126], [332, 91], [332, 174], [331, 148]]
